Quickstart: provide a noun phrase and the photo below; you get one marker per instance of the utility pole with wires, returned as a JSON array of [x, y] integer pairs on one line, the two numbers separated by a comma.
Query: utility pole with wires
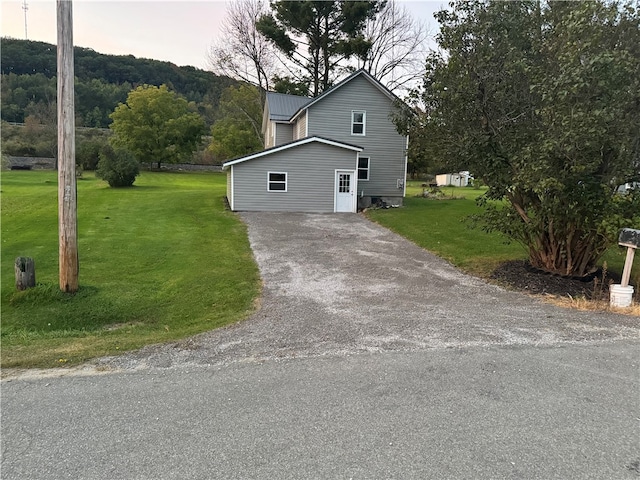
[[67, 194], [25, 7]]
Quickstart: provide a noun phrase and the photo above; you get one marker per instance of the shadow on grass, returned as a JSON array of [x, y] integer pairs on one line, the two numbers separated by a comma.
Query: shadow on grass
[[47, 311], [44, 293]]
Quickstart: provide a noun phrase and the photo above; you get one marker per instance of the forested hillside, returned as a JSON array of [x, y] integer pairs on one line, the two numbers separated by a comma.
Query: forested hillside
[[28, 71]]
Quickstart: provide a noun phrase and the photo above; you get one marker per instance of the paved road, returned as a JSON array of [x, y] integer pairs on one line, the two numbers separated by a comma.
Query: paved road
[[568, 412], [369, 358]]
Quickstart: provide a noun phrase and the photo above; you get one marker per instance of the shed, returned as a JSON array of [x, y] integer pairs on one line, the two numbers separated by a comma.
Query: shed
[[313, 174], [460, 179]]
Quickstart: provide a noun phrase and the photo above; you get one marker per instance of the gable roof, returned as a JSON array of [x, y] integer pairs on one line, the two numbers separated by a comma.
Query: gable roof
[[295, 143], [282, 106], [342, 83]]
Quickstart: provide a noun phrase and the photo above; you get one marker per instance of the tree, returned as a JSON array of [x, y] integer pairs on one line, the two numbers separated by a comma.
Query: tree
[[117, 166], [317, 35], [157, 125], [541, 101], [397, 46], [244, 53], [239, 131]]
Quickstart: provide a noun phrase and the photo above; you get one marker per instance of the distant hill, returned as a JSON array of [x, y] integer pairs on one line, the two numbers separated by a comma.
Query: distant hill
[[28, 71]]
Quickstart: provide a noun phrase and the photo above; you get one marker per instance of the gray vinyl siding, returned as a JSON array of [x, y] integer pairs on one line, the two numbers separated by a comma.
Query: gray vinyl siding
[[310, 179], [300, 127], [331, 118], [284, 133]]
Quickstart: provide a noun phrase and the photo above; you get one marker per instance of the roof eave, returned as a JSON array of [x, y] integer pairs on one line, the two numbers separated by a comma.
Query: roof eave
[[289, 145]]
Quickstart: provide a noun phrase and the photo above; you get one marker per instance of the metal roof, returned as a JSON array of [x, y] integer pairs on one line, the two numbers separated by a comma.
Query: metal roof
[[282, 106]]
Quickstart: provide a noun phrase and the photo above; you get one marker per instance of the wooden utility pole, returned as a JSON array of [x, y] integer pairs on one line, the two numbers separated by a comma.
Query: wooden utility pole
[[67, 195]]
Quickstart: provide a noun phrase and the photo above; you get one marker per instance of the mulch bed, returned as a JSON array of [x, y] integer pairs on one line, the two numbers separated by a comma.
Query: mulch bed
[[519, 275]]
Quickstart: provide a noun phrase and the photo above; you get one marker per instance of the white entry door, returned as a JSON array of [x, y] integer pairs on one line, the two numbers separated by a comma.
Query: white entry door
[[345, 191]]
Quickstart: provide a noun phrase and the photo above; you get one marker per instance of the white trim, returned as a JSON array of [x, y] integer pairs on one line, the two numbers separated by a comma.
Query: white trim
[[354, 194], [231, 200], [274, 134], [364, 123], [406, 162], [302, 141], [306, 124], [286, 182]]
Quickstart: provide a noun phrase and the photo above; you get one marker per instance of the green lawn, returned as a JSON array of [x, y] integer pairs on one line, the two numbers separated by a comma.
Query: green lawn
[[160, 261], [442, 227]]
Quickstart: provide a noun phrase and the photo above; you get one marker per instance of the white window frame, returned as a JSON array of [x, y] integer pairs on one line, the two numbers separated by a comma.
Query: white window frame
[[269, 181], [364, 122], [368, 169]]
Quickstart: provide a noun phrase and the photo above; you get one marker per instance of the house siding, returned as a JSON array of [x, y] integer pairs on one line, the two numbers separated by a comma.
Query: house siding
[[300, 128], [284, 133], [331, 118], [229, 193], [310, 179], [268, 135], [266, 125]]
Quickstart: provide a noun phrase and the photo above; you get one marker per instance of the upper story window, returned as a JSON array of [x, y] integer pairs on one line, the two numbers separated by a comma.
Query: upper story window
[[277, 181], [358, 122], [363, 168]]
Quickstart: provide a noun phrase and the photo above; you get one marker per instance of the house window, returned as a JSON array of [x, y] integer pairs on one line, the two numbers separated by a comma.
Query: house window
[[344, 185], [277, 181], [358, 122], [363, 168]]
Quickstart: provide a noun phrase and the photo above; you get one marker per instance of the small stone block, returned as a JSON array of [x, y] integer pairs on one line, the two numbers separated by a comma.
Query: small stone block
[[629, 238]]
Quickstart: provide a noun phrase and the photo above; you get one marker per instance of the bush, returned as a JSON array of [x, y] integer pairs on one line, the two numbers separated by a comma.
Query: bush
[[118, 167], [88, 153]]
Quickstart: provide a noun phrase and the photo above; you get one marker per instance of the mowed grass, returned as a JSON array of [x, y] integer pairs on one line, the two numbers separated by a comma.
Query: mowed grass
[[158, 262], [443, 227]]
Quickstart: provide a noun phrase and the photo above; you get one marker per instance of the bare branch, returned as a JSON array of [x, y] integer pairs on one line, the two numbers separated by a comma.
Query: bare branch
[[398, 47], [242, 52]]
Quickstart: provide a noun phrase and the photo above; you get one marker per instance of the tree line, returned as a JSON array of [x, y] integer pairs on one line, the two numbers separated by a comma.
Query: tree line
[[28, 71]]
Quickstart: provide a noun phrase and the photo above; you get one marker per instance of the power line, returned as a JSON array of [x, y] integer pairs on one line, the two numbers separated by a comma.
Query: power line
[[25, 8]]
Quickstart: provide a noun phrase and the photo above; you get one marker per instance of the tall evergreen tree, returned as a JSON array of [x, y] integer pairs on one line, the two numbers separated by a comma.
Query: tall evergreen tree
[[315, 35]]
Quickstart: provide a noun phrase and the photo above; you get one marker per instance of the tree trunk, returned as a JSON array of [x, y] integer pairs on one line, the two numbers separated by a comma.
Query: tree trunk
[[565, 255], [25, 269]]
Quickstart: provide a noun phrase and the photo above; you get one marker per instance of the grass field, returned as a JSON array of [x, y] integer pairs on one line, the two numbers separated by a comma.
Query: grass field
[[442, 227], [158, 262]]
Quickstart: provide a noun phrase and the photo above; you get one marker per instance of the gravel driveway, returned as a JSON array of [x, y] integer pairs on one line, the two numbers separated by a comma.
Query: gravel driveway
[[341, 285]]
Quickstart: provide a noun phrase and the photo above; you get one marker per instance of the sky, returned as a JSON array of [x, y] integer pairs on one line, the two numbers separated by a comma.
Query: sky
[[180, 32]]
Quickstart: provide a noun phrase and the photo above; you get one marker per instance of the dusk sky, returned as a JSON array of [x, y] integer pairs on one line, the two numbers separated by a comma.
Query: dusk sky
[[176, 31]]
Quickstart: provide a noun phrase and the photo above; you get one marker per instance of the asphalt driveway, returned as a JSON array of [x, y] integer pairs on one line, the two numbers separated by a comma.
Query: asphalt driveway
[[341, 285]]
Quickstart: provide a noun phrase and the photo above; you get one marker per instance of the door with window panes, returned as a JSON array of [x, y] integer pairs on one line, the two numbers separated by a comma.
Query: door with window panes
[[345, 198]]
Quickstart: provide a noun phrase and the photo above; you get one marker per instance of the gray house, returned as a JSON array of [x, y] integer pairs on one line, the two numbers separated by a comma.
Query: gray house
[[333, 153]]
